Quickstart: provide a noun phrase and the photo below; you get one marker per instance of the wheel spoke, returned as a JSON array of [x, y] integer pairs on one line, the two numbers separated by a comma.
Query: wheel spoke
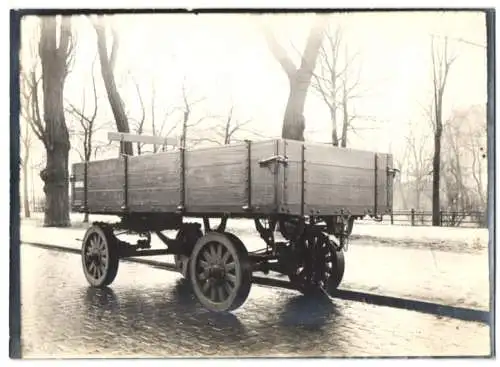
[[203, 264], [213, 294], [225, 258], [220, 292], [219, 252], [202, 276], [229, 289], [230, 266], [207, 256], [213, 253], [231, 278], [205, 286]]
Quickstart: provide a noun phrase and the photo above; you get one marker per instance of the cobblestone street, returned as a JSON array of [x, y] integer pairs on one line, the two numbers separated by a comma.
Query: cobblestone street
[[149, 312]]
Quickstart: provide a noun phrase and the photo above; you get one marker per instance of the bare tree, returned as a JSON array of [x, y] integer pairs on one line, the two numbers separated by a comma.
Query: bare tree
[[139, 124], [55, 56], [441, 64], [26, 141], [107, 69], [462, 172], [187, 112], [226, 130], [419, 164], [87, 127], [299, 78]]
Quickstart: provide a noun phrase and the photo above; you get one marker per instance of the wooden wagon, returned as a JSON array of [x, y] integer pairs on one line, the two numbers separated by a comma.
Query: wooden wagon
[[310, 193]]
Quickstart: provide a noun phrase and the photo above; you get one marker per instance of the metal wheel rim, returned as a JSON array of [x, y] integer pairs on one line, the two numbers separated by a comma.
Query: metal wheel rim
[[217, 273], [95, 257], [317, 261]]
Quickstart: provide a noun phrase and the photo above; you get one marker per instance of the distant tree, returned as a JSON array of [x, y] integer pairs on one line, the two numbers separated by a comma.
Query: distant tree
[[337, 82], [86, 127], [299, 78], [228, 127], [108, 61], [139, 123], [26, 142], [463, 163], [441, 64]]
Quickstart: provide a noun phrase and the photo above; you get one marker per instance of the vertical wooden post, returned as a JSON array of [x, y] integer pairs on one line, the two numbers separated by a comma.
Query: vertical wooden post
[[392, 217], [248, 189], [125, 182], [440, 218], [303, 183], [85, 187], [376, 186], [412, 217], [182, 179]]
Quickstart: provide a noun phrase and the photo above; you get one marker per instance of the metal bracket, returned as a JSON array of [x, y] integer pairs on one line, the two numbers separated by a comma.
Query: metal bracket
[[275, 158], [393, 171]]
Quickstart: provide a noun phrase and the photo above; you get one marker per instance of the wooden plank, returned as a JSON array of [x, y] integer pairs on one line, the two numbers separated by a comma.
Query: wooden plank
[[154, 182], [145, 139], [216, 176], [105, 181], [341, 157]]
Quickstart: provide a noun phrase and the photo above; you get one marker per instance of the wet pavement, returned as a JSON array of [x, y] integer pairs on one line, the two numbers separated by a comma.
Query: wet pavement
[[149, 312]]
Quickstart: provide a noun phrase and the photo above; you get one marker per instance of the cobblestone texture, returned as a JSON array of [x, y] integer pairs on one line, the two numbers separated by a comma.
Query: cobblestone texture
[[152, 313]]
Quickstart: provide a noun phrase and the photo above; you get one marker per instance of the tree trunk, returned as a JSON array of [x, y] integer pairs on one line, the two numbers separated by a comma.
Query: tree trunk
[[333, 117], [299, 79], [294, 121], [26, 202], [345, 119], [114, 98], [436, 170], [55, 175]]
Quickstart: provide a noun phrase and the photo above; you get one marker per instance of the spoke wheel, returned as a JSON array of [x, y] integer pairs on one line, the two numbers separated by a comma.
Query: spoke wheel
[[220, 272], [318, 264], [189, 234], [99, 256]]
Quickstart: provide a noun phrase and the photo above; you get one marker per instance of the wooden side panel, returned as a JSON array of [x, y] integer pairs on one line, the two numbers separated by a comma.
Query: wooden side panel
[[338, 179], [105, 181], [154, 182], [216, 179]]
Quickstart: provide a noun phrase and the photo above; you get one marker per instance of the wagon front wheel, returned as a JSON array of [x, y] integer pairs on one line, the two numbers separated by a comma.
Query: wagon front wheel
[[220, 272], [99, 256]]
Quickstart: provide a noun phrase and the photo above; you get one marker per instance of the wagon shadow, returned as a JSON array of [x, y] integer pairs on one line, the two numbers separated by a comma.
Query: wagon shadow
[[312, 312], [173, 311], [101, 299]]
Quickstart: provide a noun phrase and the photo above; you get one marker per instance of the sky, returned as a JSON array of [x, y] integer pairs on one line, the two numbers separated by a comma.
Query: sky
[[224, 57]]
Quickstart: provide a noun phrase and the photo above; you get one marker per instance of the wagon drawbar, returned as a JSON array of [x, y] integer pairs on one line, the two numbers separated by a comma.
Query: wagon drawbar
[[310, 193]]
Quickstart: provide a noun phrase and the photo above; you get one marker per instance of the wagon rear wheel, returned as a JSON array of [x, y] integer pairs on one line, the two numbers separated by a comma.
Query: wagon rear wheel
[[318, 264], [99, 256], [220, 271]]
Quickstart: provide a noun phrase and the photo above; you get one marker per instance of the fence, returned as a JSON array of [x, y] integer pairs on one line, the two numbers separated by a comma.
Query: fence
[[446, 218]]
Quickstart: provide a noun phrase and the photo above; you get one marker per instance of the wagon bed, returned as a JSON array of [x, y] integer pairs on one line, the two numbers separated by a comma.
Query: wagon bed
[[254, 178]]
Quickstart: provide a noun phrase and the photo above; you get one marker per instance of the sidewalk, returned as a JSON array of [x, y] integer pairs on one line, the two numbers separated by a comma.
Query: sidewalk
[[419, 271]]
